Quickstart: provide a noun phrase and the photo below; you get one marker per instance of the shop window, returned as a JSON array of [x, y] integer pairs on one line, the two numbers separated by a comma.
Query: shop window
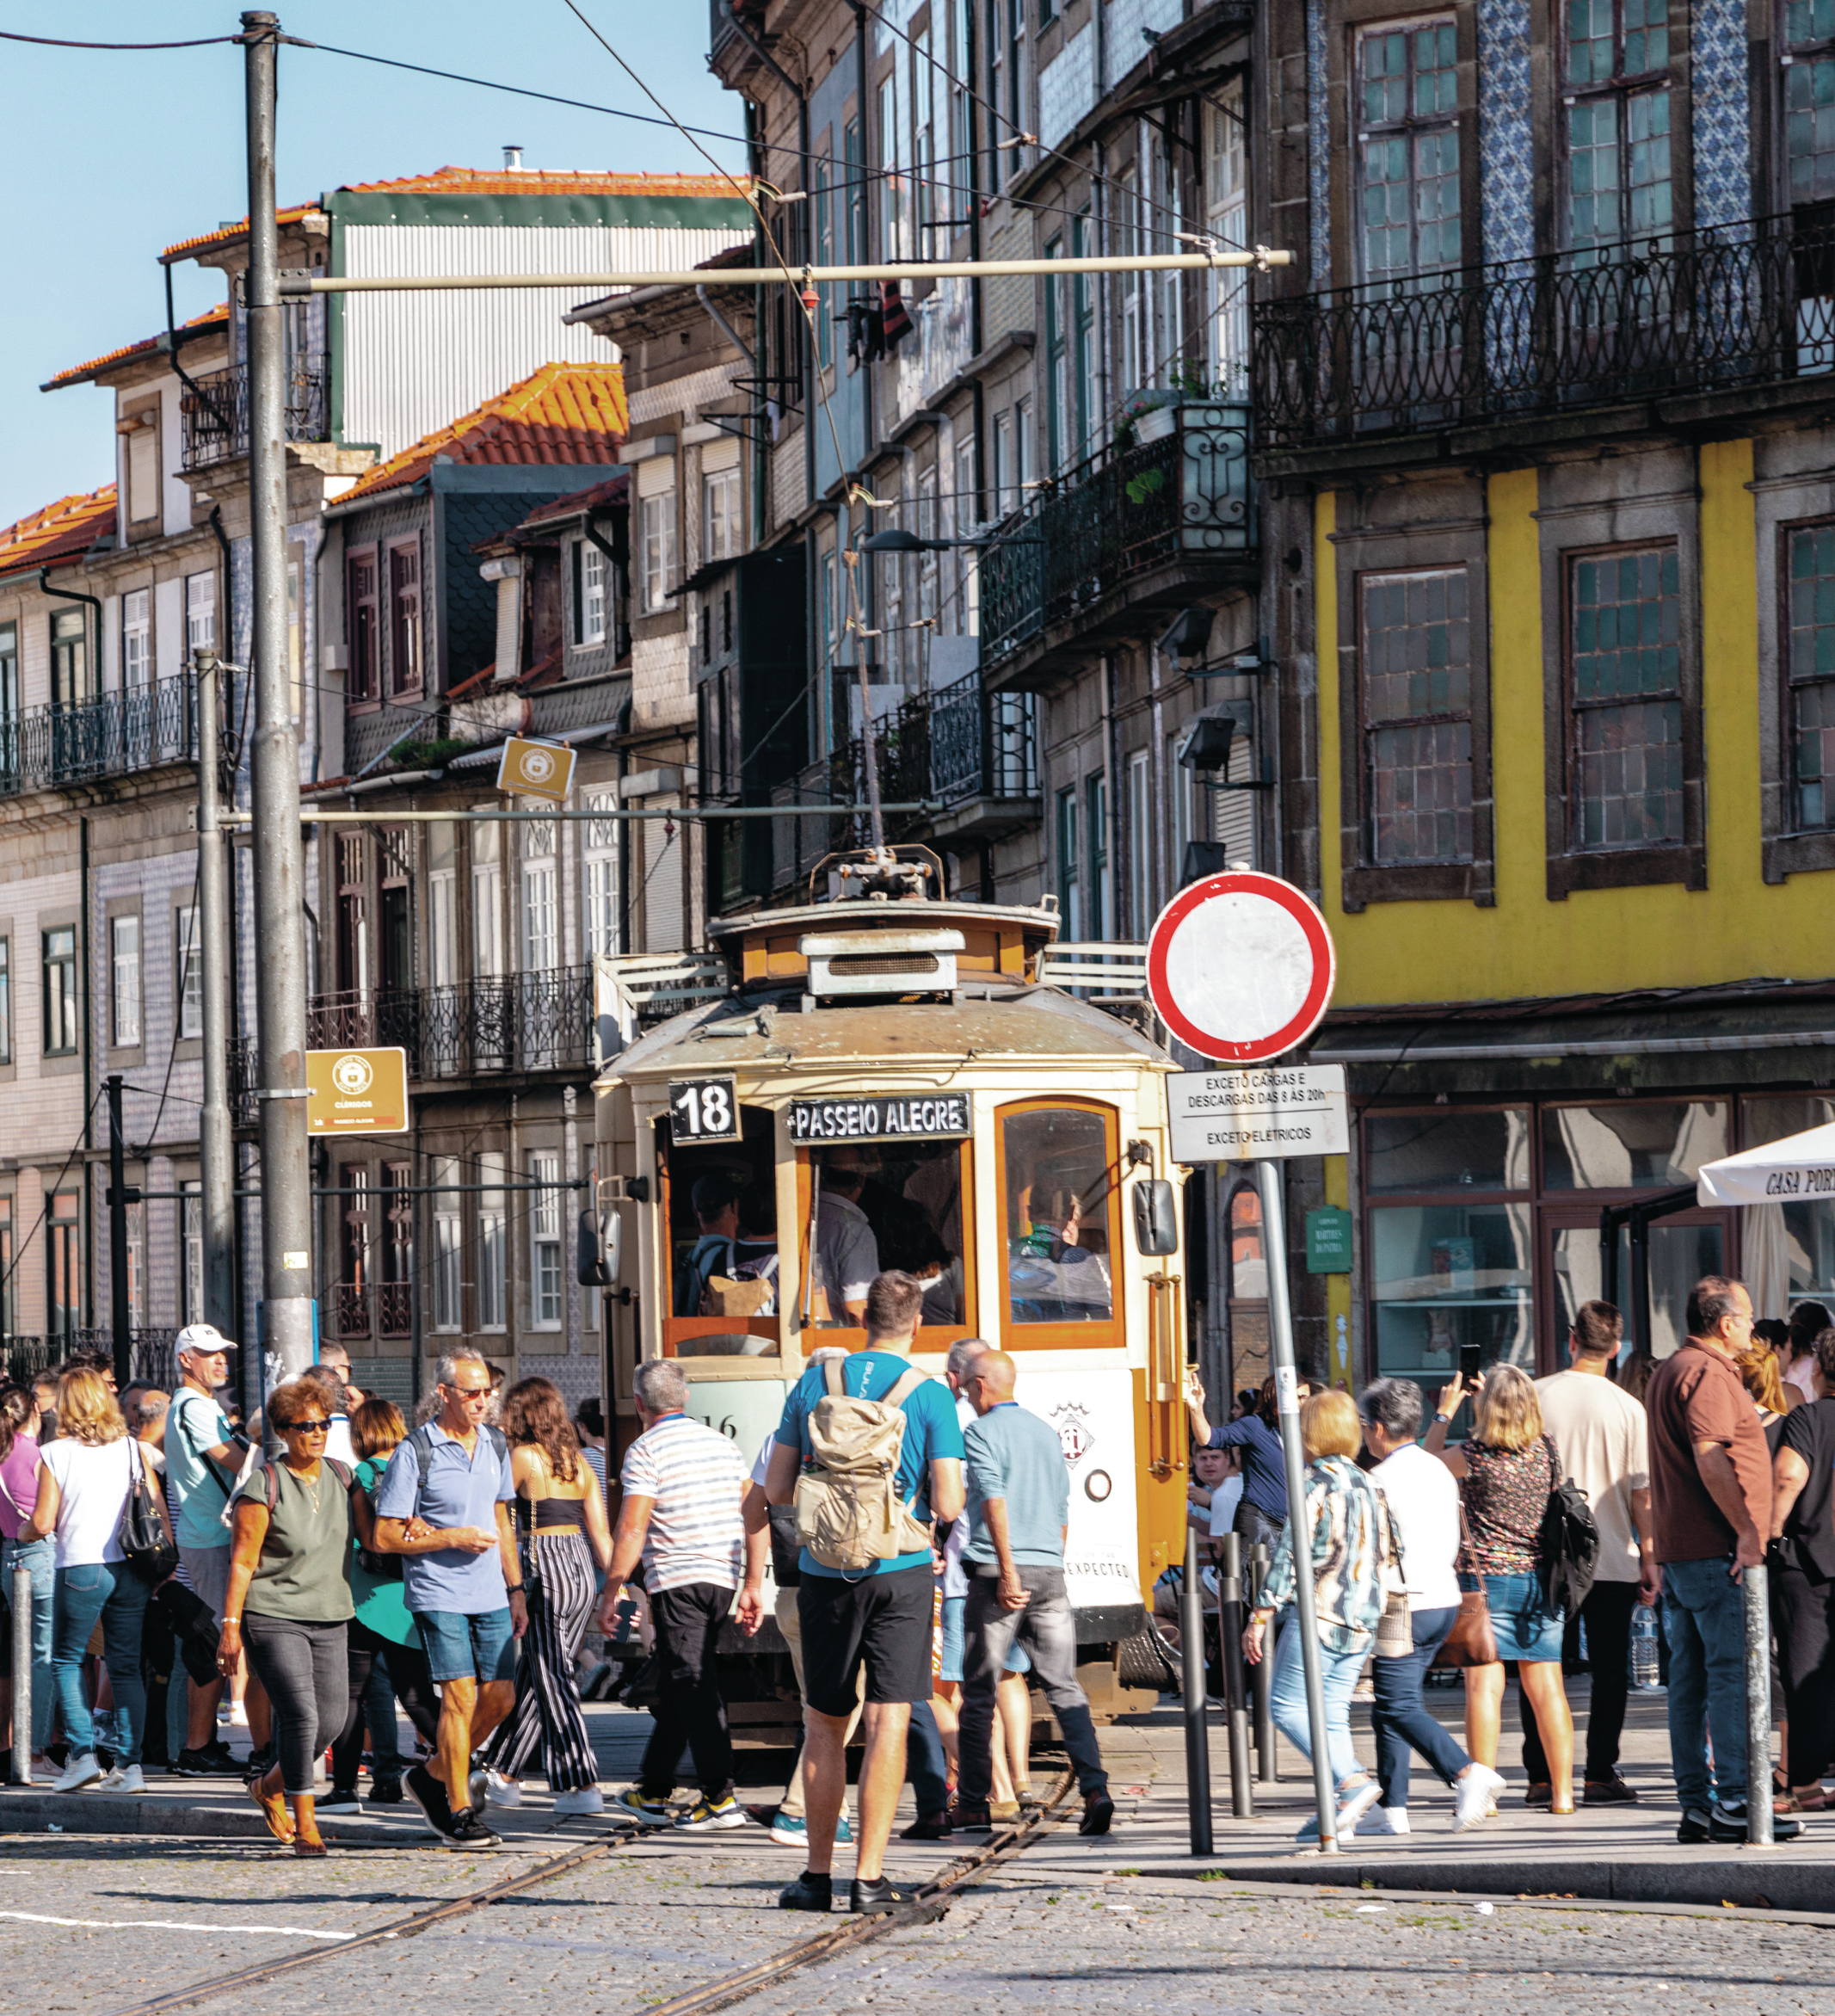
[[1060, 1224], [1450, 1148], [1630, 1145]]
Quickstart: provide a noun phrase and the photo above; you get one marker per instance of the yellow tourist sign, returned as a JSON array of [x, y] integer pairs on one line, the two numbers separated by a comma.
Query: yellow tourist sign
[[356, 1091]]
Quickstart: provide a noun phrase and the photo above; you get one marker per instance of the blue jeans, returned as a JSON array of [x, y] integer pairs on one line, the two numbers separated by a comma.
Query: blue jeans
[[1704, 1622], [39, 1558], [112, 1591], [1337, 1673], [1399, 1718]]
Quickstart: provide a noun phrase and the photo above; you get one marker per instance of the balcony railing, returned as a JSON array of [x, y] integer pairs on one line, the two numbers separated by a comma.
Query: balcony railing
[[52, 748], [982, 744], [541, 1022], [1728, 309], [26, 1356], [215, 408], [1183, 494]]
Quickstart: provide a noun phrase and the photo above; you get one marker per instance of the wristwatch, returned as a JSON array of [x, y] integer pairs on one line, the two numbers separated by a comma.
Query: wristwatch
[[1442, 1417]]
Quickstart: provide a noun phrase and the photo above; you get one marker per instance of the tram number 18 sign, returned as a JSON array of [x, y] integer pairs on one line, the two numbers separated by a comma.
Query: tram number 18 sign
[[703, 1109]]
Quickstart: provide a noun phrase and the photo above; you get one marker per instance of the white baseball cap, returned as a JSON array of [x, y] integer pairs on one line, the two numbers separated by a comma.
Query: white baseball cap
[[202, 1339]]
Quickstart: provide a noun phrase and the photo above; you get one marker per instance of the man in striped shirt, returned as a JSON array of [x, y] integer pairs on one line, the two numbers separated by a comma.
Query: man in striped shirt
[[683, 1486]]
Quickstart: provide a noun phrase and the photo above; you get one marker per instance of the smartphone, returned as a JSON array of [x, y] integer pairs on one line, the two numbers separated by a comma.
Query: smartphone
[[1469, 1362]]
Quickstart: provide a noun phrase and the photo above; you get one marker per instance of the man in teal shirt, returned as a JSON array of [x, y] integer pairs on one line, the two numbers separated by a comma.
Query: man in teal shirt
[[202, 1460], [1017, 1486]]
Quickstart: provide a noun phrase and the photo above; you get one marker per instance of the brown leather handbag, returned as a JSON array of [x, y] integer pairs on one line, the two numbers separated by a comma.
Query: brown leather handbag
[[1471, 1641]]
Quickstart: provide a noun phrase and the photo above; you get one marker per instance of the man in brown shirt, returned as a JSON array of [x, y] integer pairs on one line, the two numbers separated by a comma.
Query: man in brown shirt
[[1710, 1495]]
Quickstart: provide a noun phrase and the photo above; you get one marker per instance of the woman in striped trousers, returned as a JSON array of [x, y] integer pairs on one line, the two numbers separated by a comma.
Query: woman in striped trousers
[[561, 1519]]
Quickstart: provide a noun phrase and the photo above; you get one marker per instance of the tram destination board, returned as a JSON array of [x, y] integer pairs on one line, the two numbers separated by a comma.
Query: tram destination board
[[703, 1109], [1258, 1116], [935, 1116]]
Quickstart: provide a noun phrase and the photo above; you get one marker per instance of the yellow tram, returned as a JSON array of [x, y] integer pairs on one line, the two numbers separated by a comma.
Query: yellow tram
[[888, 1078]]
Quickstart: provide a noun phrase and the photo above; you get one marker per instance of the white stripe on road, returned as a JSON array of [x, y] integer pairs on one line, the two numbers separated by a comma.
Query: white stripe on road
[[303, 1932]]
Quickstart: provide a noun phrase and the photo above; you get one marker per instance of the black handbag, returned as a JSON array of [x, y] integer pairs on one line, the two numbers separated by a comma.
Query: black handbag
[[141, 1535], [1568, 1556]]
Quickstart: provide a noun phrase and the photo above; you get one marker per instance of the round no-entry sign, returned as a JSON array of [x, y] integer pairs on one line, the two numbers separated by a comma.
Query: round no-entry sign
[[1241, 967]]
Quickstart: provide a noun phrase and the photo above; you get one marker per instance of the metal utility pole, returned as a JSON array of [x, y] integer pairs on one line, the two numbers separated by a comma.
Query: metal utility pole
[[279, 854], [216, 1150], [120, 1312]]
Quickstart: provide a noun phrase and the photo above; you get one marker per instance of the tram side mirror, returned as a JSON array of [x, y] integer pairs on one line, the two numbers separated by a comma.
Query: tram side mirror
[[597, 1251], [1155, 1217]]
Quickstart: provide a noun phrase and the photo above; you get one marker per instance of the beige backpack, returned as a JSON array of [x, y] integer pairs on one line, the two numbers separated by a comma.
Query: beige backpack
[[849, 1514]]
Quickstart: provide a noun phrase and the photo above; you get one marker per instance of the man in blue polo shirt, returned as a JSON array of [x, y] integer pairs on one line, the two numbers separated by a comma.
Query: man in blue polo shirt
[[880, 1617], [444, 1503]]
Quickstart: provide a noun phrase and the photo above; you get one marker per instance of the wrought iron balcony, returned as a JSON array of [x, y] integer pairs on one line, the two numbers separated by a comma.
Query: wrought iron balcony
[[982, 744], [541, 1022], [1179, 491], [52, 748], [1731, 309], [215, 411]]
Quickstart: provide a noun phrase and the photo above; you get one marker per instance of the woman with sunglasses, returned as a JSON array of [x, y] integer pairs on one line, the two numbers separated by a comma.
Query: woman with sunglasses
[[289, 1600]]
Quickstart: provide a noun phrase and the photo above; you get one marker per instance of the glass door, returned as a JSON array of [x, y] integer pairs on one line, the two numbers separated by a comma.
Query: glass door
[[1682, 1250]]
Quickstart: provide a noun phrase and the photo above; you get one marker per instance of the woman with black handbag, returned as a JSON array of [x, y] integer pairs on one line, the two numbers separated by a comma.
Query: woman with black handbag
[[96, 1494]]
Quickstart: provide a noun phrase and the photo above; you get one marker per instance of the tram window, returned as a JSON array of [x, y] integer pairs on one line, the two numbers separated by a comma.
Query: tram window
[[1058, 1200], [891, 1204], [720, 1203]]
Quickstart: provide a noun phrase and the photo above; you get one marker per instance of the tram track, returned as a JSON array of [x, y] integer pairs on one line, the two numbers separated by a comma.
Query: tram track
[[929, 1902]]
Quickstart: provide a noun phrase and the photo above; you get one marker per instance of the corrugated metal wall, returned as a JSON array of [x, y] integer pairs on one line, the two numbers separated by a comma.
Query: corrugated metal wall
[[412, 362]]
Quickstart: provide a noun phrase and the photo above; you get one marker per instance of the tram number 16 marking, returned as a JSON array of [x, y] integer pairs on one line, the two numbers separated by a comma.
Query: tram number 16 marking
[[703, 1109]]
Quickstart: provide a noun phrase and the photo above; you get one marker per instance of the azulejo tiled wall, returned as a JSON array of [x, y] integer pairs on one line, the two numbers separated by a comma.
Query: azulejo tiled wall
[[1506, 159], [1722, 115]]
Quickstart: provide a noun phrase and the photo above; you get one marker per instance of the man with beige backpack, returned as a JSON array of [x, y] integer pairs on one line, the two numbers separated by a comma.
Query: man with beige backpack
[[870, 1453]]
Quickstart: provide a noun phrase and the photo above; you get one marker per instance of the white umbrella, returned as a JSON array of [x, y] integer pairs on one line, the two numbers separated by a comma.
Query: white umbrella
[[1796, 1168]]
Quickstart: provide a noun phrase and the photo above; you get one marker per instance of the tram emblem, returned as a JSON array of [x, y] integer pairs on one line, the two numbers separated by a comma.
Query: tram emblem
[[1075, 1433]]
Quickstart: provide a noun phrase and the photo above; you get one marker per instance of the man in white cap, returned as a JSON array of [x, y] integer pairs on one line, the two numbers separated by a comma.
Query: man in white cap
[[203, 1456]]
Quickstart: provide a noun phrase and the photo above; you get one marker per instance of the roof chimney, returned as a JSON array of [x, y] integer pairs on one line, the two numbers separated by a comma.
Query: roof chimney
[[513, 158]]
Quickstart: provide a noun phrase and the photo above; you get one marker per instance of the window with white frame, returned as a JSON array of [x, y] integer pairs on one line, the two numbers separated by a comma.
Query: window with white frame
[[123, 982], [449, 1242], [657, 549], [188, 972], [893, 194], [487, 901], [1006, 486], [720, 515], [592, 591], [545, 1242], [191, 1238], [493, 1244], [1226, 218], [1180, 817], [442, 905], [598, 876], [541, 922], [923, 143], [201, 614], [926, 529], [1140, 842], [137, 640], [1128, 244]]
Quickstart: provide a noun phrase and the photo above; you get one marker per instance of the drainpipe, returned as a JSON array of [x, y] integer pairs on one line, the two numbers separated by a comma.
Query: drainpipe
[[625, 835], [72, 595], [727, 329]]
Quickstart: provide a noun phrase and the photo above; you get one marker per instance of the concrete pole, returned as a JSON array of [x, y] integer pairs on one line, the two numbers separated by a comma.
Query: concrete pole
[[280, 855], [1198, 1732], [121, 1312], [1280, 1337], [1761, 1829], [20, 1597], [216, 1149]]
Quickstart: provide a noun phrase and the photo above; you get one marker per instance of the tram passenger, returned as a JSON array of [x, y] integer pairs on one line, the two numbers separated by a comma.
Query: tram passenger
[[725, 1253], [847, 1247], [1054, 1273]]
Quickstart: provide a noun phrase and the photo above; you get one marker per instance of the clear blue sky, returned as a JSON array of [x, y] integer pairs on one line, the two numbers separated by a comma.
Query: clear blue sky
[[106, 157]]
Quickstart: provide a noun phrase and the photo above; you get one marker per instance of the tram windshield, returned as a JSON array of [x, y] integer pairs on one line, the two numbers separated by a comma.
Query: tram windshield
[[889, 1204], [721, 1200], [1057, 1182]]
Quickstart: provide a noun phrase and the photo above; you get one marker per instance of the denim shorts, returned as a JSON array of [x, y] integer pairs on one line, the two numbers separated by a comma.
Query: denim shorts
[[1524, 1630], [953, 1642], [465, 1645]]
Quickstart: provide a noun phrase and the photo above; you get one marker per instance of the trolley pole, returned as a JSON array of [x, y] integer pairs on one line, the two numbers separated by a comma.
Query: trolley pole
[[1198, 1735], [279, 854], [216, 1150], [1755, 1592], [1280, 1331]]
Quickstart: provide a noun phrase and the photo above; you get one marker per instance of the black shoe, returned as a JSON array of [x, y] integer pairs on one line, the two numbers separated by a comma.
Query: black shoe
[[1729, 1821], [337, 1800], [386, 1791], [1607, 1792], [429, 1795], [468, 1831], [1098, 1814], [1694, 1827], [928, 1827], [875, 1896], [766, 1817], [809, 1892], [1539, 1795], [206, 1763], [971, 1815], [257, 1763]]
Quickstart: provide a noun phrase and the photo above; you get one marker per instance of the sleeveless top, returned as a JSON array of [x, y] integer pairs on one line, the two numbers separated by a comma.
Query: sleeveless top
[[1505, 1493]]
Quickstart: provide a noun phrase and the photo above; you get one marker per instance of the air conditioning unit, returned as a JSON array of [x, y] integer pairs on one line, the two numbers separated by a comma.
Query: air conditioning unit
[[851, 965]]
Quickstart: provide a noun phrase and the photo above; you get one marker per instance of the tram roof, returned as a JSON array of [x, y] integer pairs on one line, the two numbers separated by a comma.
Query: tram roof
[[987, 1022]]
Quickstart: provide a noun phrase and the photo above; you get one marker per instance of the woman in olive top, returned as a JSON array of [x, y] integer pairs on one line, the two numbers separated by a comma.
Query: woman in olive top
[[289, 1599], [382, 1629]]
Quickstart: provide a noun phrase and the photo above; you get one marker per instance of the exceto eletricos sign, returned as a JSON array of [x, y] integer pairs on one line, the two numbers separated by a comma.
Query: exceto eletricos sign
[[1258, 1116], [936, 1116]]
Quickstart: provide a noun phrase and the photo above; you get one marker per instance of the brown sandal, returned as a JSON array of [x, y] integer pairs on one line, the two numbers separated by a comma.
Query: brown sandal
[[274, 1811]]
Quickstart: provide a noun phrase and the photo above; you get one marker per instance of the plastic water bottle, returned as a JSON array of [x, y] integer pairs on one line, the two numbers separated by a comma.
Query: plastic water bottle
[[1645, 1665]]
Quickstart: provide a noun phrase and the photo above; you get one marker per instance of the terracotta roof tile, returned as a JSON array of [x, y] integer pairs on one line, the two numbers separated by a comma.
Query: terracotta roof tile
[[227, 234], [561, 413], [79, 373], [59, 534]]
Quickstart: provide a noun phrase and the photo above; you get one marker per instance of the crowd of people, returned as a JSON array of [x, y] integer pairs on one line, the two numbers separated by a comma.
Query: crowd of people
[[1690, 1469]]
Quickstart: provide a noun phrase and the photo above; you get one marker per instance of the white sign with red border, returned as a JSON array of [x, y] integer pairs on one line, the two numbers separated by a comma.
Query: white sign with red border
[[1241, 967]]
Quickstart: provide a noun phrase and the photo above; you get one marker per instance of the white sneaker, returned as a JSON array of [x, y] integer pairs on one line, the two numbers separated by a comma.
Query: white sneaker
[[569, 1805], [79, 1773], [238, 1715], [124, 1778], [1475, 1795], [503, 1792], [1384, 1820]]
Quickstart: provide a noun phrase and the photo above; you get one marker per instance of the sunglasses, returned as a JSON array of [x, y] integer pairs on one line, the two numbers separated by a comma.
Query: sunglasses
[[470, 1392], [307, 1427]]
